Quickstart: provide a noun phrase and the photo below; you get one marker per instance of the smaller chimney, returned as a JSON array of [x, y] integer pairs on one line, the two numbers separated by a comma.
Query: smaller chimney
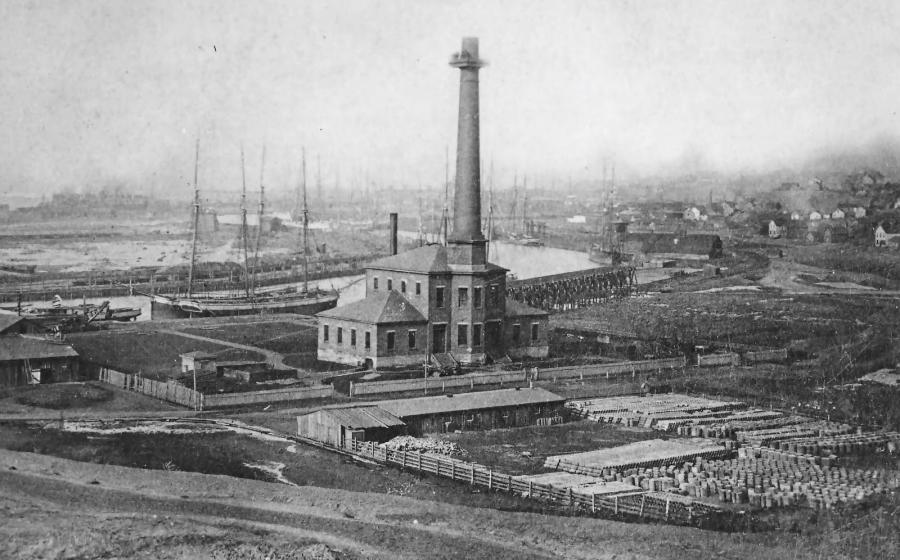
[[393, 233]]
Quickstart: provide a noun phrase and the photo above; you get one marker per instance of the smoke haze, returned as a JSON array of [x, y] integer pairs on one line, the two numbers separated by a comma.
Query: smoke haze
[[107, 92]]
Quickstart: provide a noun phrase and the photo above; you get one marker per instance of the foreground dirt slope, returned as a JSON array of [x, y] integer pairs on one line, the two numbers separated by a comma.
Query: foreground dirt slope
[[55, 508]]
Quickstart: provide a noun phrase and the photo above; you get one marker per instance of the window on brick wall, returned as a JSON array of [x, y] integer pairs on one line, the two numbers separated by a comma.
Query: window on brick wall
[[462, 335], [390, 284], [418, 288], [517, 333], [340, 335], [494, 291], [368, 340], [463, 297], [476, 335], [476, 298], [352, 337], [390, 340], [534, 332], [324, 333], [375, 283], [439, 297], [403, 286], [412, 339]]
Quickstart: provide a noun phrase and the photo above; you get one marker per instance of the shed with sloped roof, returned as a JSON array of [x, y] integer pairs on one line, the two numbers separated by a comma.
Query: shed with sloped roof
[[30, 359], [340, 425]]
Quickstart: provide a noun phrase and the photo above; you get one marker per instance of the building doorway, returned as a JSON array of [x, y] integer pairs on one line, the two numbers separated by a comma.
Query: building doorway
[[439, 339], [492, 336]]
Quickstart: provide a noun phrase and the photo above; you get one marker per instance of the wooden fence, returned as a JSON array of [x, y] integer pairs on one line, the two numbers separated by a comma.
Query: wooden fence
[[164, 391], [273, 395], [727, 359], [776, 355], [648, 505], [436, 384], [179, 394], [607, 370]]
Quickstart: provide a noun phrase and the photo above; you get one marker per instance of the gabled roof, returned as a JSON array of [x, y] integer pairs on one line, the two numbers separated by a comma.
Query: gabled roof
[[383, 307], [361, 417], [518, 309], [9, 320], [481, 400], [429, 258], [19, 347]]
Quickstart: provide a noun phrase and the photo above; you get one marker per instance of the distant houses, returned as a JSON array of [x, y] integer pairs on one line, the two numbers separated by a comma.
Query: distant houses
[[885, 239], [776, 230]]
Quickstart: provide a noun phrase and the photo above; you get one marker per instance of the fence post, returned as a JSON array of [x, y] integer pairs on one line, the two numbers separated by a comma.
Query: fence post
[[593, 503], [616, 504], [530, 488], [452, 470], [667, 509], [490, 478], [643, 499]]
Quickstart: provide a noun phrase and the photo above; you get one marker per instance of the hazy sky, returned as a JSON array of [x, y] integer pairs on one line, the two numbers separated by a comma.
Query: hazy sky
[[96, 91]]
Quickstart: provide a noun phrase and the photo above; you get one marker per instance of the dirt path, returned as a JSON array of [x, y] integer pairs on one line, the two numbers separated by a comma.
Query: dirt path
[[782, 274], [275, 359]]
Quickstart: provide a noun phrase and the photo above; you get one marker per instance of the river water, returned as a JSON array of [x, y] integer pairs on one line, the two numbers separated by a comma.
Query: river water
[[523, 261]]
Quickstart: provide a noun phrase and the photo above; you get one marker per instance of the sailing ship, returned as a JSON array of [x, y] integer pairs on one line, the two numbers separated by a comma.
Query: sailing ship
[[294, 299], [526, 228]]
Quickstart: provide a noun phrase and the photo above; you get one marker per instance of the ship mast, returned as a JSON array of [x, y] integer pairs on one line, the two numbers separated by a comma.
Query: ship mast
[[525, 205], [305, 231], [244, 224], [262, 207], [190, 286]]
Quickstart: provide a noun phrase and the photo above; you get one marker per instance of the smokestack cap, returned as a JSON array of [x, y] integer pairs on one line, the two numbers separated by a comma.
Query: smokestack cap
[[467, 57]]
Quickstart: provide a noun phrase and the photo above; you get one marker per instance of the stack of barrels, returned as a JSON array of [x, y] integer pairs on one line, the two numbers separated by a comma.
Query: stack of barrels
[[843, 445], [762, 481]]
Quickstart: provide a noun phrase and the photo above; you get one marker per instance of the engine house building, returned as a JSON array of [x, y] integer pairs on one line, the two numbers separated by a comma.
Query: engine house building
[[439, 299]]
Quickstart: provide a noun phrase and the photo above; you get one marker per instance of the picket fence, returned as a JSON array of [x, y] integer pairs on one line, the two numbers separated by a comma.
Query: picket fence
[[647, 505]]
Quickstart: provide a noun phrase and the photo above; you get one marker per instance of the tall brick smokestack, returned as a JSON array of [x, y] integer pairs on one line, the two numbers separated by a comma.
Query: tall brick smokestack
[[393, 247], [467, 200]]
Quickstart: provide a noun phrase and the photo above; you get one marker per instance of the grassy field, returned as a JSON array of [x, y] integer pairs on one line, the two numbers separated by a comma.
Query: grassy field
[[230, 454], [92, 397], [154, 354], [278, 336]]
